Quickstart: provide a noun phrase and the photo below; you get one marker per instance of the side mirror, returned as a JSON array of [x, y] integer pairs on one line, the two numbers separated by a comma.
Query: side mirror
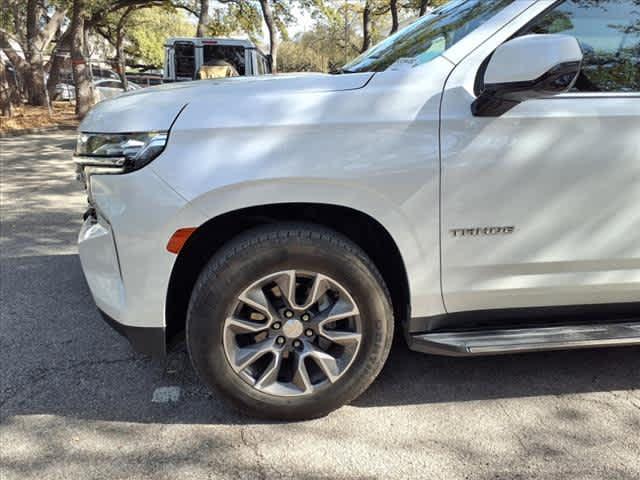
[[533, 66]]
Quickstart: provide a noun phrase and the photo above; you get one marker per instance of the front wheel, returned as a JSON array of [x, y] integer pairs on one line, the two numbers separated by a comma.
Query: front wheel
[[289, 322]]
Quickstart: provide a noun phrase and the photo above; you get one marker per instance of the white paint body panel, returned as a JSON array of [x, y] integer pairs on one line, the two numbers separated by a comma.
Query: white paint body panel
[[374, 149], [385, 145], [100, 263], [124, 255], [565, 171], [155, 108], [527, 58]]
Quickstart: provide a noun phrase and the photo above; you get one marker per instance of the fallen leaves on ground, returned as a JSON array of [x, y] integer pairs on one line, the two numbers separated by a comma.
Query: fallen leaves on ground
[[27, 117]]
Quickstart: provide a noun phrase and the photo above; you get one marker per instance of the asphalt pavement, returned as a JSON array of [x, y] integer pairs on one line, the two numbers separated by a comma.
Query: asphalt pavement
[[77, 403]]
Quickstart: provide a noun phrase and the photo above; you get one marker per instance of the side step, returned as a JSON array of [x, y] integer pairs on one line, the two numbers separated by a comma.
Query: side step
[[496, 342]]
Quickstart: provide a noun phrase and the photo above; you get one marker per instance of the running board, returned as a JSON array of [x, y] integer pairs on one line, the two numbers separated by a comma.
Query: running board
[[496, 342]]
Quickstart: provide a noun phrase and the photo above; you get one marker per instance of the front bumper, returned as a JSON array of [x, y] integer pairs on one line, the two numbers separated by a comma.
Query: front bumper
[[146, 340], [101, 267], [122, 247]]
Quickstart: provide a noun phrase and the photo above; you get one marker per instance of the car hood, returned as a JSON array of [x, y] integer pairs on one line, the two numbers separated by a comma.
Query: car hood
[[155, 108]]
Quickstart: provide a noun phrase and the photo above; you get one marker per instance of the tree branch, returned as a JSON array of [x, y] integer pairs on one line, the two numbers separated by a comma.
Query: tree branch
[[99, 16], [45, 35], [16, 59], [186, 8]]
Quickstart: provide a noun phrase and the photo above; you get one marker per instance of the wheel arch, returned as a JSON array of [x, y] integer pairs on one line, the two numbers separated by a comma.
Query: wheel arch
[[361, 228]]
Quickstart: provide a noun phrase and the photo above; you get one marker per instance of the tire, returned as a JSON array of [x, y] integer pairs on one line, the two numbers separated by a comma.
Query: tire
[[257, 254]]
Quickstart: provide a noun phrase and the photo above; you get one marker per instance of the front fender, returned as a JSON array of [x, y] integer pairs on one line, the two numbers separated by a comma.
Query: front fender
[[374, 149], [422, 264]]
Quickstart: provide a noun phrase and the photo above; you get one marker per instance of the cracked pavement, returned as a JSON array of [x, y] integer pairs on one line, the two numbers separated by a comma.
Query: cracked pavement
[[75, 401]]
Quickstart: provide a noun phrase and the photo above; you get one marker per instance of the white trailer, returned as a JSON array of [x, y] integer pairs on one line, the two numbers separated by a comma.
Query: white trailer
[[185, 55]]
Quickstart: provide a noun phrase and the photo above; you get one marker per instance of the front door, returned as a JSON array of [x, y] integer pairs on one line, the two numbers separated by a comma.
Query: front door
[[541, 206]]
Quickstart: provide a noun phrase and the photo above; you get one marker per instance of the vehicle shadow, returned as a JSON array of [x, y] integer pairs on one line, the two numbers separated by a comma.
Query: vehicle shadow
[[61, 359], [414, 378]]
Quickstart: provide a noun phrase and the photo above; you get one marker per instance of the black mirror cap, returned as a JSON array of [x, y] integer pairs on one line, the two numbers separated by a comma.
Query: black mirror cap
[[497, 99]]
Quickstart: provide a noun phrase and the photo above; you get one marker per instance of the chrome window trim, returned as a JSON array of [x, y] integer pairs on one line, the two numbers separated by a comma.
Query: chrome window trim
[[593, 95]]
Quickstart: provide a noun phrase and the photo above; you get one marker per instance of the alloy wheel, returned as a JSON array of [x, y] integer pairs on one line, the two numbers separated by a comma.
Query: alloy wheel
[[292, 333]]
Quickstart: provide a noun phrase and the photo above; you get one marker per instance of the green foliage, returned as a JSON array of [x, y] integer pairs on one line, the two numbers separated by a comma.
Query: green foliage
[[148, 30], [10, 16], [554, 22], [335, 37], [416, 4], [235, 19], [298, 57], [337, 32]]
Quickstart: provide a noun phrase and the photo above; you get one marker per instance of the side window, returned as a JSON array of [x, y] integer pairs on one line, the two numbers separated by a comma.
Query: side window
[[609, 33]]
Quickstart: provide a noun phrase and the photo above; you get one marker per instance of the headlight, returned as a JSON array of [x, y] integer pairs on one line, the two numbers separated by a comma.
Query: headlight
[[125, 151]]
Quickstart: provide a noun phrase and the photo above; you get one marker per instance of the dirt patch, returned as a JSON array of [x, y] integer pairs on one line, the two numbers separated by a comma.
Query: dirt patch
[[28, 117]]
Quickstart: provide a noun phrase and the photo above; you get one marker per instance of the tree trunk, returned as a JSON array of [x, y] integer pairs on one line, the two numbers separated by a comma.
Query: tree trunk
[[20, 64], [120, 34], [63, 46], [267, 14], [366, 27], [121, 60], [32, 19], [33, 44], [84, 93], [203, 18], [6, 100], [423, 7], [17, 20], [34, 78], [395, 23]]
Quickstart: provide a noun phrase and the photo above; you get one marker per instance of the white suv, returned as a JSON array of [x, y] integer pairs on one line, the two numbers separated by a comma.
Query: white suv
[[472, 182]]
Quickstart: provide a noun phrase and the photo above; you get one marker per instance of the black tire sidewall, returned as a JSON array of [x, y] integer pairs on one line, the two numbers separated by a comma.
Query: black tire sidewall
[[252, 257]]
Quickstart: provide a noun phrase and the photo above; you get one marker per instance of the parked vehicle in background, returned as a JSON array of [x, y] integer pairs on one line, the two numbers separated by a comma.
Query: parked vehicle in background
[[103, 89], [184, 57], [472, 182], [65, 91], [99, 72], [145, 79], [108, 88]]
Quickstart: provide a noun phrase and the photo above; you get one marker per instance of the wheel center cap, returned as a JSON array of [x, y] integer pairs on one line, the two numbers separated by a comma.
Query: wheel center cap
[[292, 328]]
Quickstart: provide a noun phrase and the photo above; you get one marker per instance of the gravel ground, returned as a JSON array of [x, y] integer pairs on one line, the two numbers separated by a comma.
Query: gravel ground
[[77, 403]]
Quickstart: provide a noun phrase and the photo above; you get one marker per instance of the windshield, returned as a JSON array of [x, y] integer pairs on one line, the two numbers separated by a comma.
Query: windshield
[[428, 37]]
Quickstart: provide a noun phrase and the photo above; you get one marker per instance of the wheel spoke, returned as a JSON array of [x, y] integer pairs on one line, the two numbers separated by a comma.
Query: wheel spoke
[[301, 377], [239, 325], [318, 289], [257, 300], [341, 337], [287, 284], [270, 374], [343, 308], [327, 363], [246, 356]]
